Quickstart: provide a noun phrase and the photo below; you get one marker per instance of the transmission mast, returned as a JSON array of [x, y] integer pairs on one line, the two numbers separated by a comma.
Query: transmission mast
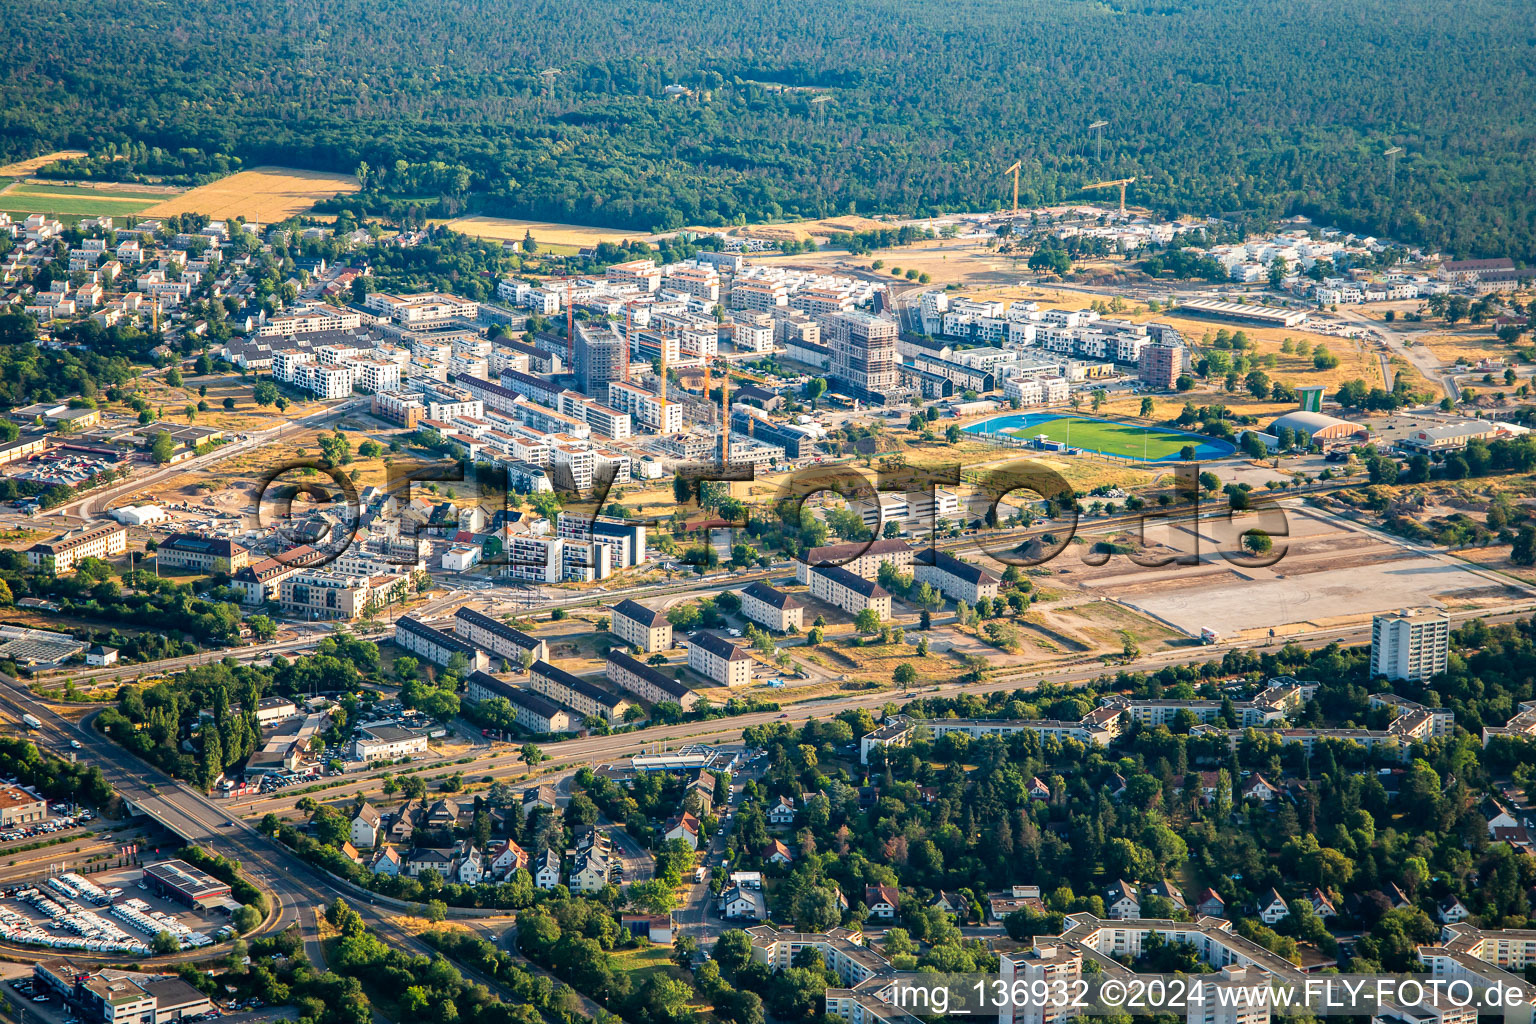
[[1098, 139]]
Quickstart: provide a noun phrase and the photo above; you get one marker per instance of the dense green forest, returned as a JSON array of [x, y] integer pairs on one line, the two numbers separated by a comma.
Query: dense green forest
[[556, 111]]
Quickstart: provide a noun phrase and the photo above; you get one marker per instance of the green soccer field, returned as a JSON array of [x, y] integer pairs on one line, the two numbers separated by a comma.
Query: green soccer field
[[1124, 439]]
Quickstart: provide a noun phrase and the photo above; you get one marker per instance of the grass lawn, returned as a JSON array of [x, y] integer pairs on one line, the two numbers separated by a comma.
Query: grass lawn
[[1123, 439], [20, 204], [49, 189]]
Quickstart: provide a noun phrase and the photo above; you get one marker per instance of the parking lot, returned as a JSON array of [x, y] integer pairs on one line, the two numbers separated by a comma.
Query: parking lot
[[42, 913], [68, 818]]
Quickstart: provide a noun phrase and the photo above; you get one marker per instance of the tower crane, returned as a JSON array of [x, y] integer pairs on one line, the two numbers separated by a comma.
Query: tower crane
[[1014, 170], [1120, 182]]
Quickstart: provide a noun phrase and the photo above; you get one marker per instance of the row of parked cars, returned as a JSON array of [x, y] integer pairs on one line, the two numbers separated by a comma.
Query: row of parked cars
[[47, 827]]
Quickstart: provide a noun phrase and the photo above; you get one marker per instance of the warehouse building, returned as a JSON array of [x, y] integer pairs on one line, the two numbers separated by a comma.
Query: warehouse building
[[180, 882]]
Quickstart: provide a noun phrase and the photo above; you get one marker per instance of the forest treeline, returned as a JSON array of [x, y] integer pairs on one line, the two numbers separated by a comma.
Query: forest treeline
[[546, 110]]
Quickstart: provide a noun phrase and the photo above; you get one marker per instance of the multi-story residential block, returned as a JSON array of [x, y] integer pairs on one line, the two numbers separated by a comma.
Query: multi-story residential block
[[716, 658], [641, 627], [625, 539], [645, 408], [317, 594], [598, 358], [586, 699], [1160, 365], [1413, 644], [642, 274], [851, 593], [863, 354], [96, 540], [437, 646], [500, 639], [533, 712], [772, 609], [647, 683], [201, 554], [1038, 390], [309, 320], [859, 558], [955, 579]]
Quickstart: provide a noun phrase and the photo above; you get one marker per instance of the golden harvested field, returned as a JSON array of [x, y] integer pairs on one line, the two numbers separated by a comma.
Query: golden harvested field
[[21, 168], [505, 229], [262, 194]]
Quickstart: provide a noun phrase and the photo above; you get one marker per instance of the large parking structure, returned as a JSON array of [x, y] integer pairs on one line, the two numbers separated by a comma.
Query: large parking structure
[[1105, 437]]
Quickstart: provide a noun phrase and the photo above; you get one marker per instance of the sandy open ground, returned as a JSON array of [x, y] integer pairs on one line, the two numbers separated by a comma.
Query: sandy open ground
[[31, 164], [1332, 574], [262, 194], [506, 229]]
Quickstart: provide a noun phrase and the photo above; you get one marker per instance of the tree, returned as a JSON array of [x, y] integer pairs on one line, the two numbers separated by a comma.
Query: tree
[[262, 627], [814, 389], [868, 621], [733, 951], [164, 942], [162, 449], [1257, 542], [1147, 405], [265, 392], [246, 918], [173, 377], [1523, 551], [532, 755], [905, 674]]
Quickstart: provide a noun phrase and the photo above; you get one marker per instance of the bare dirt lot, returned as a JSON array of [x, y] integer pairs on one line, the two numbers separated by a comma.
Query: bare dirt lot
[[1332, 574]]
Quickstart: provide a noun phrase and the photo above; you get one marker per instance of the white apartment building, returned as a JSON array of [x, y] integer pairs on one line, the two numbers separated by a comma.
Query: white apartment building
[[309, 321], [1037, 390], [645, 408], [853, 594], [641, 627], [771, 608], [717, 659], [1413, 644], [61, 554], [860, 559]]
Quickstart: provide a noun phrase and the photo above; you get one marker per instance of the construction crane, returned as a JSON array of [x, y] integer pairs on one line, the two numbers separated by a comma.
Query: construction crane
[[725, 405], [1120, 182], [1014, 170], [1098, 141]]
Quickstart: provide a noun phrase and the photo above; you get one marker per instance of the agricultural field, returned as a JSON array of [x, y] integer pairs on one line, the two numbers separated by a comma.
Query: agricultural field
[[70, 202], [262, 194]]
